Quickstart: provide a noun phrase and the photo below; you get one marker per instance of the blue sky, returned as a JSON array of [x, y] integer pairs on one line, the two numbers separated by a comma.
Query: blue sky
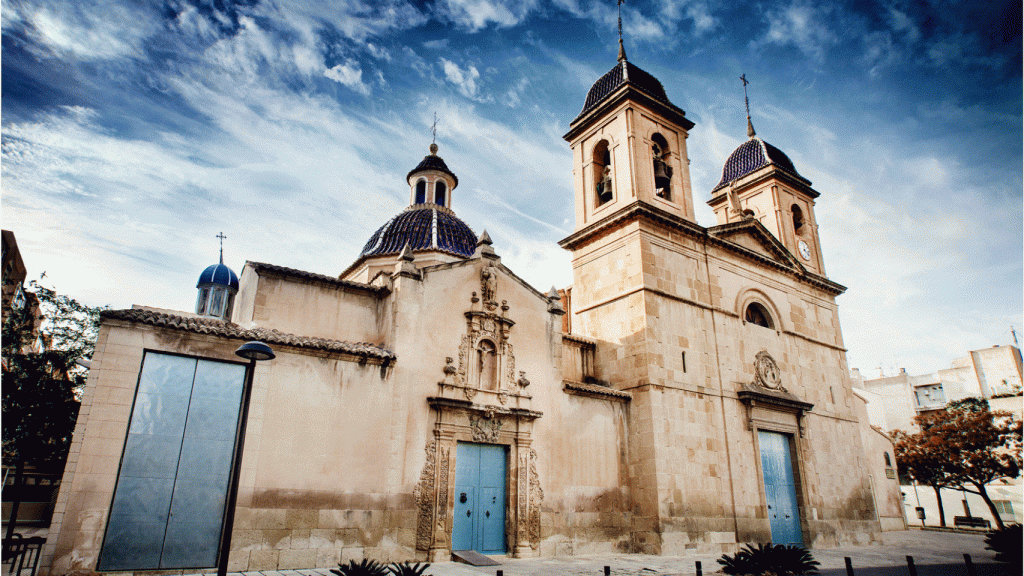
[[134, 132]]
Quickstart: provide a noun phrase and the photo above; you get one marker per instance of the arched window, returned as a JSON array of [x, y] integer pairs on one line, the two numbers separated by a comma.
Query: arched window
[[888, 461], [758, 314], [439, 191], [204, 297], [487, 365], [603, 173], [748, 213], [421, 192], [662, 171], [798, 219]]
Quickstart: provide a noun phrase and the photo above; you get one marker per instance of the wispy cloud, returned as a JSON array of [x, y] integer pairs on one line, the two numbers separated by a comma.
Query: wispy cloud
[[349, 74], [465, 79]]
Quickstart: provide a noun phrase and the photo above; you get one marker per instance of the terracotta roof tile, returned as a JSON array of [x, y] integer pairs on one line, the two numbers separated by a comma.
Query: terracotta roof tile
[[214, 327]]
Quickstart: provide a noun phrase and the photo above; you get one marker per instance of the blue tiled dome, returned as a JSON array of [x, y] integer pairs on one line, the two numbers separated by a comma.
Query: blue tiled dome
[[423, 227], [753, 155], [218, 274]]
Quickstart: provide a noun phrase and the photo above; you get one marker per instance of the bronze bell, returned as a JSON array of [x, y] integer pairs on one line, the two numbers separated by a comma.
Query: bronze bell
[[662, 174]]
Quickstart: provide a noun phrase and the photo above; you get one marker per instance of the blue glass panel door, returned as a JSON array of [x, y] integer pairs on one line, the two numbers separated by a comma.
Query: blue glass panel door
[[171, 491], [480, 477], [780, 488]]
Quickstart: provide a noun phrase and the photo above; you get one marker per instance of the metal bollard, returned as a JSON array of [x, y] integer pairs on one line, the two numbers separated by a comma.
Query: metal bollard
[[849, 566], [910, 566], [970, 565], [700, 571], [607, 570]]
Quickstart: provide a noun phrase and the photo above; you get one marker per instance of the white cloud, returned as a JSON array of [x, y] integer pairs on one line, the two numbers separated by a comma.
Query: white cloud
[[802, 25], [475, 15], [436, 44], [464, 79], [88, 31], [349, 74]]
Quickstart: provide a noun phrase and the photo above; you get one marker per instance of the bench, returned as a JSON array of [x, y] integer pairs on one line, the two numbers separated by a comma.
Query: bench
[[971, 522]]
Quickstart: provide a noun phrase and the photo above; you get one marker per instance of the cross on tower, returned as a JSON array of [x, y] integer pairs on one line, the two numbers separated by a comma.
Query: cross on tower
[[222, 237], [622, 50], [433, 130], [746, 101]]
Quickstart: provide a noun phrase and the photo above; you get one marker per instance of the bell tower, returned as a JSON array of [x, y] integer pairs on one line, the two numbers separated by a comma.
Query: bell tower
[[759, 181], [628, 146]]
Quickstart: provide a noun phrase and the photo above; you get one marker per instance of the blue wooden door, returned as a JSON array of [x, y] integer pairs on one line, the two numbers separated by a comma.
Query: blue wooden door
[[780, 488], [479, 498]]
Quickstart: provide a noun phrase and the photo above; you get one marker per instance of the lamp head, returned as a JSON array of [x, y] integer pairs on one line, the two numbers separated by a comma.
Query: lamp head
[[255, 351]]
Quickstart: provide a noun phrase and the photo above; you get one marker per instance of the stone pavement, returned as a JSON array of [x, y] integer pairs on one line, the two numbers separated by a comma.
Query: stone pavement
[[935, 554]]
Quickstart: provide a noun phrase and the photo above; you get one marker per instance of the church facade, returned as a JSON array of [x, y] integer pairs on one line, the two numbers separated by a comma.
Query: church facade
[[689, 391]]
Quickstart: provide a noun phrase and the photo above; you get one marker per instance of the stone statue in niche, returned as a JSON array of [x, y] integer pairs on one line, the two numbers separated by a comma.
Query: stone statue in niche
[[662, 172], [487, 364], [488, 283], [604, 186], [766, 372]]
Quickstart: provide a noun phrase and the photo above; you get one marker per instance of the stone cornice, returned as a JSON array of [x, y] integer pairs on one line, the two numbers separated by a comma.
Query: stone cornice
[[641, 211], [595, 391]]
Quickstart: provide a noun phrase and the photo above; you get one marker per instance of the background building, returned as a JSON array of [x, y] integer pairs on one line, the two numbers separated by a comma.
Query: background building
[[993, 374]]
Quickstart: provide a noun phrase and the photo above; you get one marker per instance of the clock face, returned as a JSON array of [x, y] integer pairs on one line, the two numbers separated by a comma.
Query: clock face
[[805, 250]]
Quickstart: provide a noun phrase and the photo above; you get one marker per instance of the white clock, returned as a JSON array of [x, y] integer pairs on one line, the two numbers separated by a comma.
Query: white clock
[[805, 250]]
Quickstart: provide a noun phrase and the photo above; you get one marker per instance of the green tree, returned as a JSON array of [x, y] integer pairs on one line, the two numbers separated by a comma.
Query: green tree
[[42, 383], [964, 447]]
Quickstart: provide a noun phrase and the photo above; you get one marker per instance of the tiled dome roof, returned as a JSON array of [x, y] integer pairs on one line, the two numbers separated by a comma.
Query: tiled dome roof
[[218, 274], [433, 162], [625, 73], [423, 227], [753, 155]]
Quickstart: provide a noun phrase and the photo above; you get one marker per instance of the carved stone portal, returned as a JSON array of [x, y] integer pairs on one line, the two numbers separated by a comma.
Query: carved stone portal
[[459, 420]]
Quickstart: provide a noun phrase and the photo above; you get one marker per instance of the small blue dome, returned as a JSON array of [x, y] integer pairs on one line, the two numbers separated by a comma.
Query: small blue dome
[[218, 274]]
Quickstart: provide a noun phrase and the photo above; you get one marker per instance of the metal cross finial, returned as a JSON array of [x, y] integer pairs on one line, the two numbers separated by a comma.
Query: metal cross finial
[[746, 101], [433, 130], [622, 50], [222, 237]]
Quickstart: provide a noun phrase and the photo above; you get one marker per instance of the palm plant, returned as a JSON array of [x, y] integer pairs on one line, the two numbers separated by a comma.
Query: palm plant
[[407, 569], [365, 568], [1006, 543], [769, 560]]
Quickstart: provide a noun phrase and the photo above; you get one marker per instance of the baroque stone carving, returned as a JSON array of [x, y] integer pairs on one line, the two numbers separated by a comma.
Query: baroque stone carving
[[766, 372], [464, 349], [536, 498], [424, 494], [523, 381], [523, 516], [442, 501], [449, 371], [510, 365], [485, 429]]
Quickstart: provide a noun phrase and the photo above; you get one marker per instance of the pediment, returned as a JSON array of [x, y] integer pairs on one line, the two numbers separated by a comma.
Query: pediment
[[754, 237]]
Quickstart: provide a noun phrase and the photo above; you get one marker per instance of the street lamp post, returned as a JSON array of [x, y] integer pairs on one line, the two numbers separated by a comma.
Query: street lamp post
[[252, 351]]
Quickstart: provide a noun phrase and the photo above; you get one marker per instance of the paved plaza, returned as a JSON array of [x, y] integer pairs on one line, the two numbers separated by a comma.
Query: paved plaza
[[935, 554]]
